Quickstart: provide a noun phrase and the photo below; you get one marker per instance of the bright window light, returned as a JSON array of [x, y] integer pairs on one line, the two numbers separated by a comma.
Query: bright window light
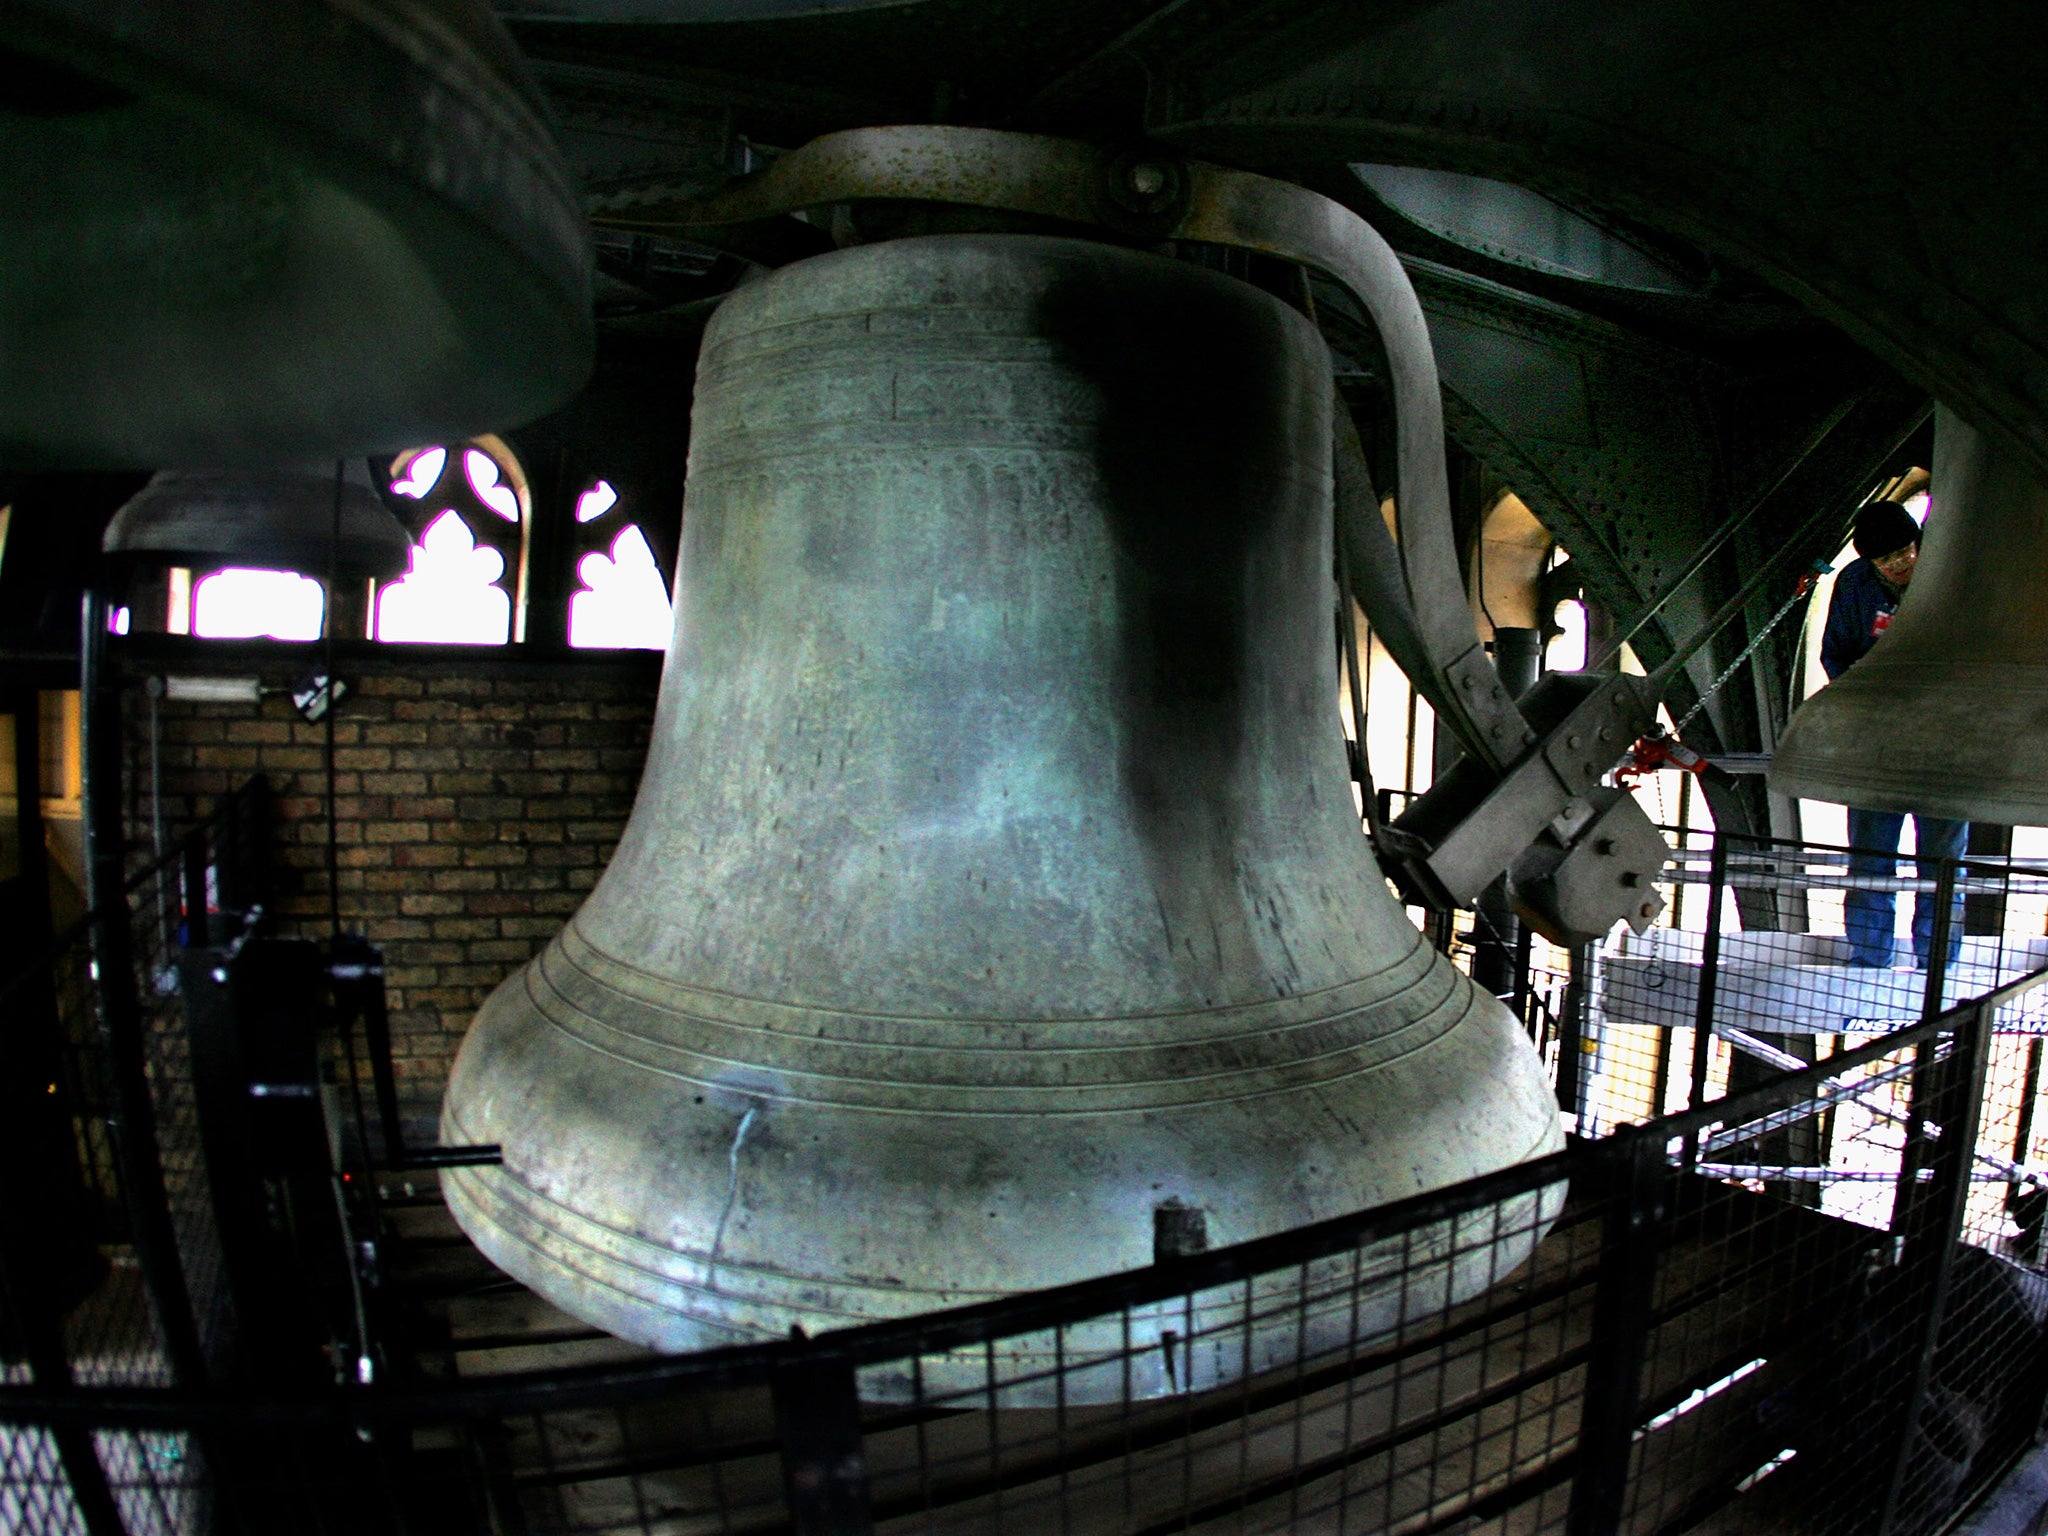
[[240, 604], [1567, 650], [625, 606], [1917, 504], [117, 622], [488, 481], [447, 597], [422, 472], [596, 501]]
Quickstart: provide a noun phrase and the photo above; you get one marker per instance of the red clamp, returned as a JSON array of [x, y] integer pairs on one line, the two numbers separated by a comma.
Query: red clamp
[[1655, 751]]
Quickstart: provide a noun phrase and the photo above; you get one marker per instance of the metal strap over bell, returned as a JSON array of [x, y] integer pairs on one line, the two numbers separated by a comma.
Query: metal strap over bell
[[1948, 713], [279, 519], [995, 881], [235, 231]]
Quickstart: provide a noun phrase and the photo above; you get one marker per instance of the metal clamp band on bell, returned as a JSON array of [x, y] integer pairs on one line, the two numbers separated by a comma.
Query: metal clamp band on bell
[[995, 881]]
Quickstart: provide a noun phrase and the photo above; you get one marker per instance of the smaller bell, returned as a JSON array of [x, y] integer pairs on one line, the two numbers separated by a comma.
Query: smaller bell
[[277, 519], [1948, 713]]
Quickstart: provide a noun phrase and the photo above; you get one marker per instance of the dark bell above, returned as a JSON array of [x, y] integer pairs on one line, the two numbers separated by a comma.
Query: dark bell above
[[277, 519], [236, 232]]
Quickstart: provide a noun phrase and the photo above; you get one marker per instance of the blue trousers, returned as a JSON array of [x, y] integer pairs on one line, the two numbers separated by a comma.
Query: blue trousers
[[1871, 916]]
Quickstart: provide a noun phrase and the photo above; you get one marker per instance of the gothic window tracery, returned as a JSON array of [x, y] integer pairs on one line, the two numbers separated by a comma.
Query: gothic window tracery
[[470, 516], [623, 603]]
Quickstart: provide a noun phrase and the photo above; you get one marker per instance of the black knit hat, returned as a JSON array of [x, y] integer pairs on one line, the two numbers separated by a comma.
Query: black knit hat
[[1883, 528]]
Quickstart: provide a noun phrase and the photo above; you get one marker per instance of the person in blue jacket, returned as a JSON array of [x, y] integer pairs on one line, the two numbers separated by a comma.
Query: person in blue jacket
[[1867, 593]]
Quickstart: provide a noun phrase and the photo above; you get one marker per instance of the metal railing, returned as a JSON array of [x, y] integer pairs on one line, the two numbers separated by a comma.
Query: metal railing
[[121, 1288], [1674, 1323]]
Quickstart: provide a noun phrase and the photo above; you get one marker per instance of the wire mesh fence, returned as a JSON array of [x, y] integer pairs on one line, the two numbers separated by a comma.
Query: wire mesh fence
[[1651, 1332], [1719, 1313], [116, 1284], [1752, 968]]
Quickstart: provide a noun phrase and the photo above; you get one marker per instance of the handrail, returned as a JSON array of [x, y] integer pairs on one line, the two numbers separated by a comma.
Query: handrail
[[865, 1344], [614, 1384], [1795, 1085]]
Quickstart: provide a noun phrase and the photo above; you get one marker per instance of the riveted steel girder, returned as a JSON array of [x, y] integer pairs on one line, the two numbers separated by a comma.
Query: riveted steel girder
[[1879, 162]]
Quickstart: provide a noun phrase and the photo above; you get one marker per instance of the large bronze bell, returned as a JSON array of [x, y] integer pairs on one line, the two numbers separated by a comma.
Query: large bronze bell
[[996, 878], [1948, 714], [237, 231]]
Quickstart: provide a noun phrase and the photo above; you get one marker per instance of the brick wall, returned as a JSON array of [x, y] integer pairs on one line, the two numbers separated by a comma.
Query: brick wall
[[476, 804]]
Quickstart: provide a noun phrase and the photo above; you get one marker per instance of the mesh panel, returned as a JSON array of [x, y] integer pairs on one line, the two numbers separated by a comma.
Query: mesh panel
[[111, 1334], [1814, 1301]]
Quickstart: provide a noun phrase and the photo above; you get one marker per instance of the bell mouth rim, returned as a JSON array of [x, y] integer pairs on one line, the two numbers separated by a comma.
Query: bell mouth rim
[[627, 1253]]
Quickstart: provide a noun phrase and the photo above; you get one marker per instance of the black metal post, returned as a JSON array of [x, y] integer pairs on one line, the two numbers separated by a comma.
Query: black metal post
[[1944, 930], [241, 862], [220, 1096], [357, 967], [2026, 1205], [1660, 1075], [1710, 971], [1933, 1225], [1633, 1176], [1523, 1010], [824, 1461], [1571, 1030], [1984, 912], [132, 1123], [1498, 954], [194, 874]]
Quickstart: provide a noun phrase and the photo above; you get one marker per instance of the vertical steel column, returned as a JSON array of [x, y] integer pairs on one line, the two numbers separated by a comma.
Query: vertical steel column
[[132, 1122], [1938, 943], [229, 849], [1924, 1100], [246, 847], [1499, 957], [2027, 1206], [1934, 1222], [1571, 1029], [1632, 1175], [1709, 977]]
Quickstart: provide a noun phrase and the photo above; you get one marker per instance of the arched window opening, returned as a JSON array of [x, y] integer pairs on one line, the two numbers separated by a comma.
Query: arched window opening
[[624, 602], [467, 581], [1567, 649], [596, 501], [416, 474], [487, 479], [240, 603], [451, 595]]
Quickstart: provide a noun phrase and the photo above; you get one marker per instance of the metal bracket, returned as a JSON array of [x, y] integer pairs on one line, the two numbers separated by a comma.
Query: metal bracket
[[1472, 824], [1574, 884]]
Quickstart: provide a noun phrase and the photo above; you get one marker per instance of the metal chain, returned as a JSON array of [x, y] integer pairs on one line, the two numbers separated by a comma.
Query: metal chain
[[1820, 568]]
